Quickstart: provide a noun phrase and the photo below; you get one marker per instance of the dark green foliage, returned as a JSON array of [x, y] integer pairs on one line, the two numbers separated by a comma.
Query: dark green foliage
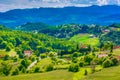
[[33, 26], [88, 58], [15, 72], [8, 48], [86, 72], [6, 68], [75, 54], [37, 69], [69, 30], [43, 56], [74, 68], [6, 57], [25, 63], [114, 61], [3, 45], [81, 63], [23, 70], [49, 67], [107, 63]]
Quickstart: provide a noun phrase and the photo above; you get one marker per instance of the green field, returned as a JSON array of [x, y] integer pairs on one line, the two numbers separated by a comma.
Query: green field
[[53, 75], [112, 73], [84, 38]]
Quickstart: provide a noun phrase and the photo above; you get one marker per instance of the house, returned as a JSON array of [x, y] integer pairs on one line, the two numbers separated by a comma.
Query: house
[[116, 47], [102, 55], [27, 53], [91, 36]]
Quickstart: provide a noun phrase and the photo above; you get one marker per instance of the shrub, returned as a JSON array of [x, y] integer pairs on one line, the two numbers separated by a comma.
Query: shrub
[[75, 54], [43, 55], [6, 57], [114, 61], [85, 73], [15, 72], [36, 69], [81, 63], [6, 68], [74, 68], [107, 63], [23, 70], [49, 67], [8, 48]]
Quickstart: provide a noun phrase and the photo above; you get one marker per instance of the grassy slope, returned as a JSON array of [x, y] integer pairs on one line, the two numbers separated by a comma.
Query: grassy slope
[[112, 73], [10, 53], [53, 75], [84, 38]]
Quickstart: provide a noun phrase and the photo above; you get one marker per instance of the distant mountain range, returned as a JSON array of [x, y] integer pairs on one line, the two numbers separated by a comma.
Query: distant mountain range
[[102, 15]]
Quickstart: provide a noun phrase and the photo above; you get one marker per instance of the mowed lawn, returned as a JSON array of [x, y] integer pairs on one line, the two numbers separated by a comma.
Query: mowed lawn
[[112, 73], [53, 75], [85, 38]]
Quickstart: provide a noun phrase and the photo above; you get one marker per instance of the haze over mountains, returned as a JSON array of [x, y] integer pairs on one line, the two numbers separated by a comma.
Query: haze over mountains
[[102, 15]]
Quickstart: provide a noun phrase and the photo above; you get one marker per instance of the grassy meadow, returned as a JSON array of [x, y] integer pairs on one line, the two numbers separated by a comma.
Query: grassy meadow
[[112, 73], [53, 75], [85, 38]]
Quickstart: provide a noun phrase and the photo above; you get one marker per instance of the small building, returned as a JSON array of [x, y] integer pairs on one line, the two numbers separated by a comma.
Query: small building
[[92, 36], [106, 31], [102, 55], [27, 53], [116, 47]]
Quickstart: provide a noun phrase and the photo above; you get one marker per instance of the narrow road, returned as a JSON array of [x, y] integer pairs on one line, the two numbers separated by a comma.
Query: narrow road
[[32, 64]]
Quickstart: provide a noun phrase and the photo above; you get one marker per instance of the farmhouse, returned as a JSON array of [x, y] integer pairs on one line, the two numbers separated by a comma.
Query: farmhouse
[[102, 55], [116, 47], [27, 53]]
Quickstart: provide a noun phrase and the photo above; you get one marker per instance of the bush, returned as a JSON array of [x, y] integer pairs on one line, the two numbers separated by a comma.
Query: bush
[[15, 72], [6, 68], [74, 68], [8, 48], [49, 67], [43, 55], [114, 61], [23, 70], [81, 63], [107, 63], [75, 54], [36, 69], [6, 57], [85, 73]]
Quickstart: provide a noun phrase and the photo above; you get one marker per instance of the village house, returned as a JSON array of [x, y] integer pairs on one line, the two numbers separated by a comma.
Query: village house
[[116, 47], [27, 53], [102, 55]]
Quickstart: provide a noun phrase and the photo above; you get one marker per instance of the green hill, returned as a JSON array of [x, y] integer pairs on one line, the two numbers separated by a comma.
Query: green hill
[[106, 74], [54, 75]]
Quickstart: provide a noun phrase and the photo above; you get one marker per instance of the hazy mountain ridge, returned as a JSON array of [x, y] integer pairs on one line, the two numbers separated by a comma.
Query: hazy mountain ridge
[[55, 16]]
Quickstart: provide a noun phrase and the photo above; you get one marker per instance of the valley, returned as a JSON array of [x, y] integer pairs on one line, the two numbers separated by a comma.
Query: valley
[[62, 52]]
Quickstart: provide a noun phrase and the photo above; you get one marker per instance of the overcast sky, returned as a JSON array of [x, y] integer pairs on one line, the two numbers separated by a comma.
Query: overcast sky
[[6, 5]]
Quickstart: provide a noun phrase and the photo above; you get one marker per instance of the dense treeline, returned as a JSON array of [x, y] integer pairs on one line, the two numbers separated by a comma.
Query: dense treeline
[[39, 43], [69, 30], [62, 31]]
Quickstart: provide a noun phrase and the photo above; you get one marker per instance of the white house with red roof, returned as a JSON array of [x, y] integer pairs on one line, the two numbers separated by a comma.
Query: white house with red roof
[[27, 53]]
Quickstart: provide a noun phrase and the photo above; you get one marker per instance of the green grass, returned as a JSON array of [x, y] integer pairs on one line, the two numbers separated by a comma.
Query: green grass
[[112, 73], [53, 75], [116, 51], [10, 53], [84, 38], [79, 75]]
